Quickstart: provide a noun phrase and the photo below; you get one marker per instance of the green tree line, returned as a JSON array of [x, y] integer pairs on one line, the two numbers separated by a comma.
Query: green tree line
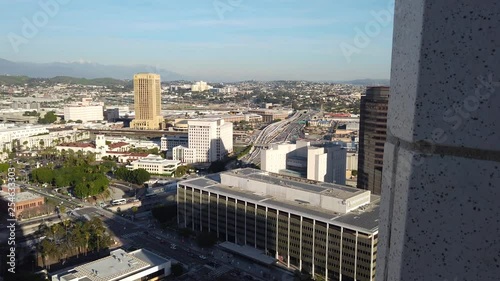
[[86, 180], [138, 176]]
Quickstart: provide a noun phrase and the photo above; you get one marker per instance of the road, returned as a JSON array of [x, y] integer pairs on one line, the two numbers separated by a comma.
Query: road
[[278, 132]]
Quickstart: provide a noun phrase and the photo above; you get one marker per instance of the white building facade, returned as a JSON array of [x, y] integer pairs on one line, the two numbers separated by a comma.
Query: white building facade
[[326, 163], [200, 86], [85, 113], [155, 164], [211, 138], [169, 142], [184, 154], [274, 159]]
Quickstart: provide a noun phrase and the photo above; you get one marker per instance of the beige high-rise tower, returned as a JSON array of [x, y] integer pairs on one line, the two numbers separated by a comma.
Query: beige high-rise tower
[[147, 102]]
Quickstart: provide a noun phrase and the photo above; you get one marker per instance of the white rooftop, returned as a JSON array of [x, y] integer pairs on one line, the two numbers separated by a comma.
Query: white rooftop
[[118, 265]]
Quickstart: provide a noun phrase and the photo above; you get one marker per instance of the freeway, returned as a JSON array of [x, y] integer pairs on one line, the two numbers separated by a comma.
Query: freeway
[[278, 132]]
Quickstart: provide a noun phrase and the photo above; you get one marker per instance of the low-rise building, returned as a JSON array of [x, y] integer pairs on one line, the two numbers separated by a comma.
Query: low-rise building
[[129, 157], [269, 115], [13, 133], [326, 229], [322, 162], [169, 142], [84, 113], [184, 154], [155, 164], [119, 265], [23, 200]]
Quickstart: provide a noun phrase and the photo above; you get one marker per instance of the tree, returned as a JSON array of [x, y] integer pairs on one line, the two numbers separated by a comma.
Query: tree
[[79, 121], [354, 173], [122, 173], [177, 269], [31, 113], [107, 166], [140, 176], [42, 175], [4, 167], [181, 171], [49, 118]]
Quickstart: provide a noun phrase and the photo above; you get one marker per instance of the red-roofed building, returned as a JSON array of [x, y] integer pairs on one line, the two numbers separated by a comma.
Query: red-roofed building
[[119, 146]]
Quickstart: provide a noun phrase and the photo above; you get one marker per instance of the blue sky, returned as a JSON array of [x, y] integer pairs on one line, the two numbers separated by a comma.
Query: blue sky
[[207, 39]]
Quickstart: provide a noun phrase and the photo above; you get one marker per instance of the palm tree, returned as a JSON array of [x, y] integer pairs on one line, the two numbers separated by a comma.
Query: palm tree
[[66, 224], [87, 236], [77, 238]]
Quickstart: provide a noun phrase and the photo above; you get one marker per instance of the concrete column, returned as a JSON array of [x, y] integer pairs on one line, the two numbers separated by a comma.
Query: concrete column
[[300, 243], [440, 214]]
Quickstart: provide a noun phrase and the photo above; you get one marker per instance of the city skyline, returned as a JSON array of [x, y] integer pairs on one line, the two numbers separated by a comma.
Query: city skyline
[[215, 40]]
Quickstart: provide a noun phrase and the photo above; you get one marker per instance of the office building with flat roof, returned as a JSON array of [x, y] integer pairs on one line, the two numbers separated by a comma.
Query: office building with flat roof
[[372, 136], [147, 102], [327, 229], [168, 142], [211, 138], [119, 265]]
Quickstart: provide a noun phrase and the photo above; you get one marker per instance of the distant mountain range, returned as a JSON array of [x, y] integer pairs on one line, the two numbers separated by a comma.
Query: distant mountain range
[[100, 74], [82, 70]]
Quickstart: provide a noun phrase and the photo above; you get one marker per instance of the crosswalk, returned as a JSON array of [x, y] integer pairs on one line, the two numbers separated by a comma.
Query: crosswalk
[[220, 271]]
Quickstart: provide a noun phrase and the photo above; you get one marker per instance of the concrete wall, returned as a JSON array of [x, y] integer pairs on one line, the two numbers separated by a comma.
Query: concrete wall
[[441, 179]]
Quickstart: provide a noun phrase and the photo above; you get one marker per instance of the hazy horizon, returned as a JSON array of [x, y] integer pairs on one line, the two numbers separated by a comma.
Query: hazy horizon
[[208, 40]]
